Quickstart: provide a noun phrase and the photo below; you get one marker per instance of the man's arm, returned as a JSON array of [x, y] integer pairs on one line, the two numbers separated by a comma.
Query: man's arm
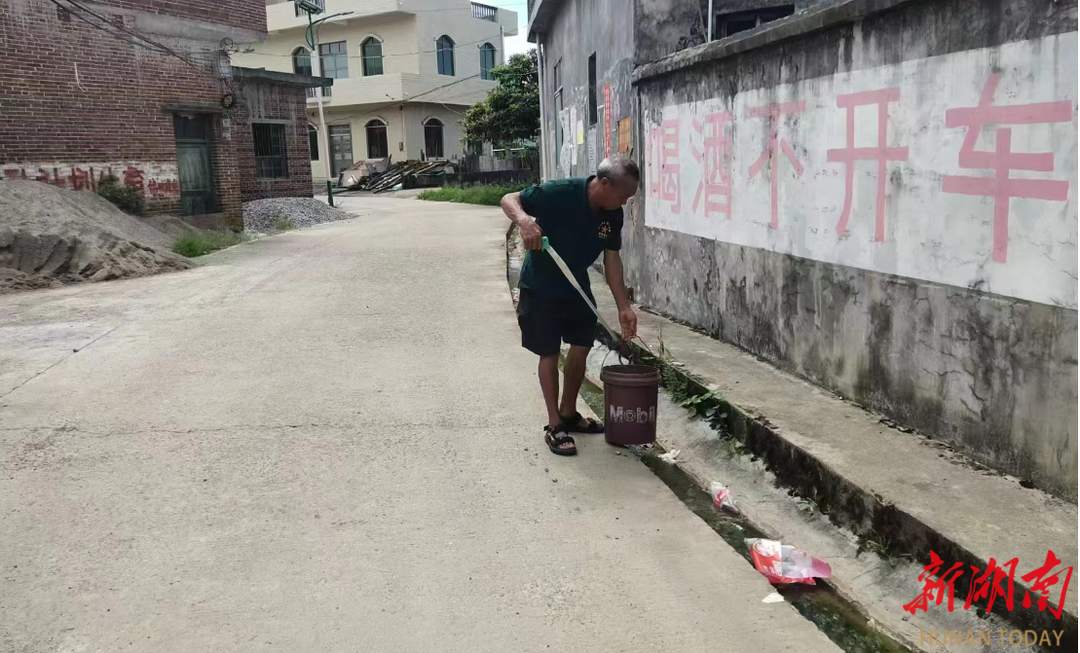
[[530, 232], [613, 272]]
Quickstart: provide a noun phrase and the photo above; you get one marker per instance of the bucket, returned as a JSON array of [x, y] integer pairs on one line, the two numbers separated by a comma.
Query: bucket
[[630, 393]]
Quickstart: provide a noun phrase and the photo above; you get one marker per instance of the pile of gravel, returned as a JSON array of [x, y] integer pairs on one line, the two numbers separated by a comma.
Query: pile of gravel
[[267, 216]]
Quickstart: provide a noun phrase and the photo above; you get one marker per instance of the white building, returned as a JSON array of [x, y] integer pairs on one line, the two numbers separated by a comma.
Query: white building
[[404, 72]]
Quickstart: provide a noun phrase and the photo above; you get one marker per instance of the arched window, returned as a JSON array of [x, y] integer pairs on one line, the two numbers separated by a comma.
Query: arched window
[[377, 147], [487, 60], [444, 53], [313, 141], [433, 138], [371, 56], [301, 61]]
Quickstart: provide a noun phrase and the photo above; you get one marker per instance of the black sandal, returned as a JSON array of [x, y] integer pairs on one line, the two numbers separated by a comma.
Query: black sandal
[[557, 443], [578, 424]]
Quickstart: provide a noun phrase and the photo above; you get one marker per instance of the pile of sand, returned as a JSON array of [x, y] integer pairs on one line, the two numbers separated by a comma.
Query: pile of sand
[[50, 236]]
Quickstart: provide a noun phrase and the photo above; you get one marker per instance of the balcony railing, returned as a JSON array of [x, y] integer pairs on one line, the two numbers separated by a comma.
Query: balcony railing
[[313, 93], [309, 6], [484, 12]]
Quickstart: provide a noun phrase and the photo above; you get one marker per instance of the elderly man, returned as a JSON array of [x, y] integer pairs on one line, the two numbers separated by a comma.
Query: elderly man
[[581, 217]]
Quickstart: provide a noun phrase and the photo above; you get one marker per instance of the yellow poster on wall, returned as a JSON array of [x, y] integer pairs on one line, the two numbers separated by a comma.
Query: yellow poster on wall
[[624, 135]]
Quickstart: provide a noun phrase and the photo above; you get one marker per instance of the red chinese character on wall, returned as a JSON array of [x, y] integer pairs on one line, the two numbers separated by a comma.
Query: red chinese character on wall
[[1042, 580], [716, 163], [668, 154], [1001, 160], [133, 177], [772, 146], [880, 153], [987, 586], [80, 179], [934, 582]]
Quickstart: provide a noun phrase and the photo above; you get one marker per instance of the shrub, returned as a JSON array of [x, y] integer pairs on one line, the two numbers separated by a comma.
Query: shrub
[[487, 195], [126, 198], [199, 243]]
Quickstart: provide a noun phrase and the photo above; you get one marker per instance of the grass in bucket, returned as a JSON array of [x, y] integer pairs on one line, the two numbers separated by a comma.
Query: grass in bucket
[[203, 242], [486, 195]]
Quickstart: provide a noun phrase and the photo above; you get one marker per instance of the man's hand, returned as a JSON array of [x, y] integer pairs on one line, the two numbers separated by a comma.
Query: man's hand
[[531, 234], [628, 322]]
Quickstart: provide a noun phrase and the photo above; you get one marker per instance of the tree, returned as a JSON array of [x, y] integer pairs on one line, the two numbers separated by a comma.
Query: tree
[[511, 111]]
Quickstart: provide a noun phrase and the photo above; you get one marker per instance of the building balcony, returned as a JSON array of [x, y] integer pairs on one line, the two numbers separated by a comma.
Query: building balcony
[[283, 15], [394, 88]]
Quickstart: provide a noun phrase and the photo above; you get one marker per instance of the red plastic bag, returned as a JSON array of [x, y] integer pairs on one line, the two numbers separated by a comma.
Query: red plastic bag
[[783, 564]]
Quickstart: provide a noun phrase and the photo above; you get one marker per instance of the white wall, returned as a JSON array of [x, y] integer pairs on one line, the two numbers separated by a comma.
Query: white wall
[[929, 232]]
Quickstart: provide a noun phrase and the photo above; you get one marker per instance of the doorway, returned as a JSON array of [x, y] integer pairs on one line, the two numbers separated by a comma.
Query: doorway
[[341, 156], [197, 196]]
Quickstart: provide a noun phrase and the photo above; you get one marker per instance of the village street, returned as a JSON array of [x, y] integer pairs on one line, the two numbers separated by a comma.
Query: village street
[[329, 440]]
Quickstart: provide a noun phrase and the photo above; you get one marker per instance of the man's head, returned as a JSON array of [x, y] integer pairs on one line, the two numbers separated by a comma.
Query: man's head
[[617, 181]]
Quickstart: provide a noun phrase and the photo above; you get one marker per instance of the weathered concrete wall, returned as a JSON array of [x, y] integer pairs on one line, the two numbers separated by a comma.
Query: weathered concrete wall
[[832, 195], [584, 27]]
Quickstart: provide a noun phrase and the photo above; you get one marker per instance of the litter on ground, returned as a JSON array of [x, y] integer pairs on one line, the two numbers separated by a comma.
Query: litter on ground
[[722, 497], [783, 564], [670, 456]]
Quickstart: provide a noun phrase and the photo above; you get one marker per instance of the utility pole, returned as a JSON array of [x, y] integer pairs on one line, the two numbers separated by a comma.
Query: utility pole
[[316, 69]]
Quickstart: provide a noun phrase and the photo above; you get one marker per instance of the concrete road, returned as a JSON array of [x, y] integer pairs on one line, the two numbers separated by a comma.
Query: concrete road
[[329, 440]]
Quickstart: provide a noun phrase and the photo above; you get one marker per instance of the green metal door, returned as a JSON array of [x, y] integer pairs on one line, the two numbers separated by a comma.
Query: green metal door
[[197, 196]]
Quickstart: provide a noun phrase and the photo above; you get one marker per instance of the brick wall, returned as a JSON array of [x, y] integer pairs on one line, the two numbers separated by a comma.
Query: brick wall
[[277, 104], [75, 97], [245, 14]]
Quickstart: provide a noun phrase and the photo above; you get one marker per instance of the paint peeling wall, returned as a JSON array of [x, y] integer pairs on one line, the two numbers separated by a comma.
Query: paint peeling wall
[[884, 202]]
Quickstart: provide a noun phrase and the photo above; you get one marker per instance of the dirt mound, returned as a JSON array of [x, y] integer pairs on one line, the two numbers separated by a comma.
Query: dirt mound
[[50, 236]]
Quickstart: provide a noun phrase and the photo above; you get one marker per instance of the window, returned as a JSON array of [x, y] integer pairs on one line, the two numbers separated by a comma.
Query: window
[[433, 138], [592, 89], [269, 151], [313, 141], [740, 21], [301, 61], [371, 56], [444, 55], [487, 61], [334, 59], [377, 147]]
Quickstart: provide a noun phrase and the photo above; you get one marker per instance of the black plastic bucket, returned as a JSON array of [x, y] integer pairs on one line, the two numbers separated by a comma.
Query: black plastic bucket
[[630, 394]]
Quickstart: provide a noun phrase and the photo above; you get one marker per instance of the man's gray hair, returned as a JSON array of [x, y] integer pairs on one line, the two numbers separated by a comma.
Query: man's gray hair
[[618, 170]]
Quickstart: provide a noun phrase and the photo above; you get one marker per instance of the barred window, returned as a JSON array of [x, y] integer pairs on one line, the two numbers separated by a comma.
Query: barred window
[[270, 160]]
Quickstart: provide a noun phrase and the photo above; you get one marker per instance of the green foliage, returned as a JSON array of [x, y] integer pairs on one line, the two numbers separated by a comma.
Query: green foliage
[[511, 111], [200, 243], [126, 198], [487, 195], [284, 223]]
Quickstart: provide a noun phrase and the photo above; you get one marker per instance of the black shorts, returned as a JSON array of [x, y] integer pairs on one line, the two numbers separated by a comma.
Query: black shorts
[[545, 321]]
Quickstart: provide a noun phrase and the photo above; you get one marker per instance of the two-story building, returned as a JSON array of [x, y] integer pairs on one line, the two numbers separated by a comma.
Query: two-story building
[[404, 73]]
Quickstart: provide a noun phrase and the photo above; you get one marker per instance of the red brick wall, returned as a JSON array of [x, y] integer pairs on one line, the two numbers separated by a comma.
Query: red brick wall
[[73, 97], [275, 103], [245, 14]]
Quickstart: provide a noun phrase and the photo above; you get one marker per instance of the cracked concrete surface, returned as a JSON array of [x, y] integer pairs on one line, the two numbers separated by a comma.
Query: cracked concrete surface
[[326, 441]]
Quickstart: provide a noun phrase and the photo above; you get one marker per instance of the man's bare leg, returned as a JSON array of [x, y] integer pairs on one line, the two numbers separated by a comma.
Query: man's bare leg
[[573, 374], [548, 372]]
